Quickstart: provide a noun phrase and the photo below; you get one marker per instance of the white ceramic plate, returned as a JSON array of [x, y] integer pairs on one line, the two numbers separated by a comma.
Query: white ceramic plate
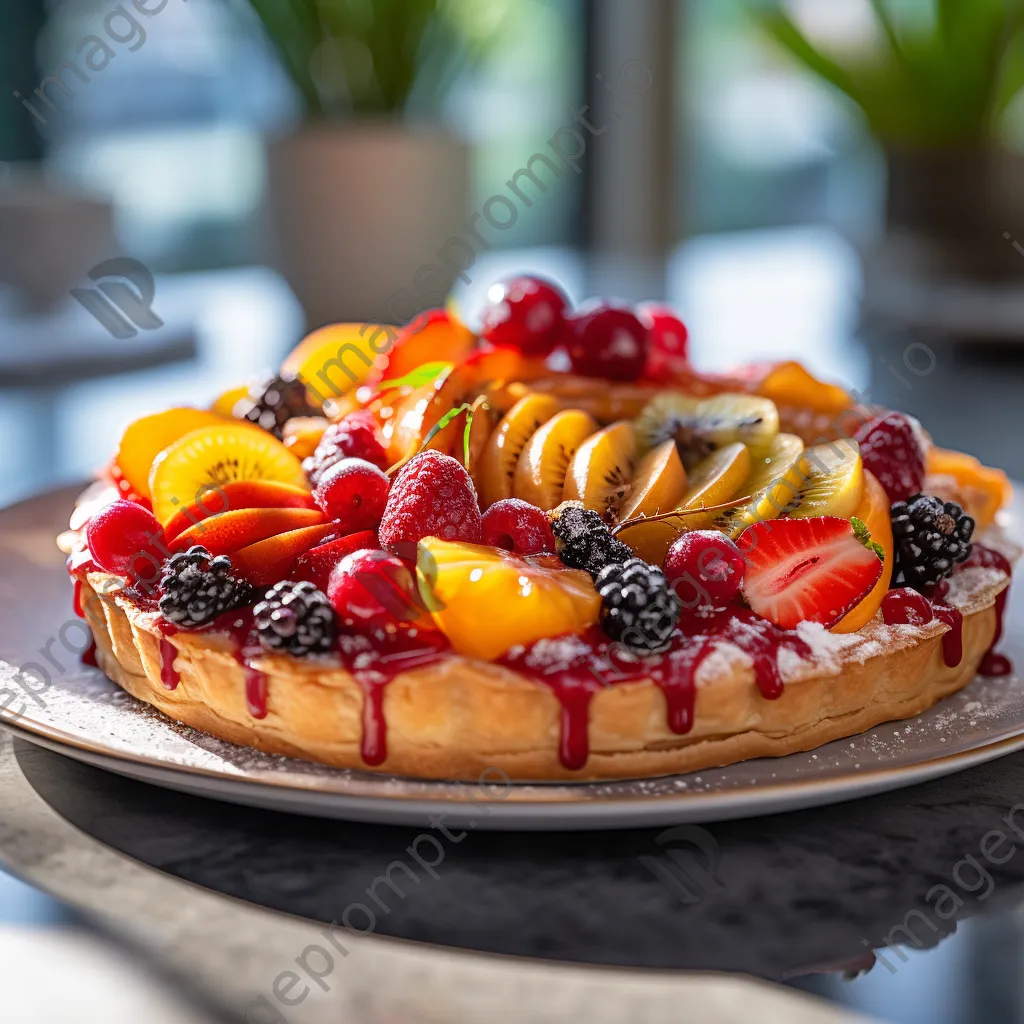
[[85, 716]]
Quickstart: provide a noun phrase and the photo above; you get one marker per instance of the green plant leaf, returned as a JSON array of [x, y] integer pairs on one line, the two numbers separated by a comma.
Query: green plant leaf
[[443, 422], [863, 534], [417, 378], [465, 438]]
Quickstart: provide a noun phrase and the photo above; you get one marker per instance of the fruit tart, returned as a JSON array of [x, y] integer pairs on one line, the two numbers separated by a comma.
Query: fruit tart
[[554, 548]]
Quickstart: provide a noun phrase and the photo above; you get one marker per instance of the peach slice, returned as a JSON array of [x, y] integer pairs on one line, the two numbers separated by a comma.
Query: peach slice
[[230, 531], [873, 511], [442, 338], [959, 477], [789, 384], [224, 404], [143, 440], [302, 434], [239, 494], [542, 467], [659, 484], [334, 359], [271, 560]]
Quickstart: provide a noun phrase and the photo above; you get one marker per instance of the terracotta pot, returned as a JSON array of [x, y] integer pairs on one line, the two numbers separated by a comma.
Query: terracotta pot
[[358, 209]]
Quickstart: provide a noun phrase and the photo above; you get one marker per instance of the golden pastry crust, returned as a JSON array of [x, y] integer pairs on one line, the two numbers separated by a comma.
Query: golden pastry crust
[[454, 718]]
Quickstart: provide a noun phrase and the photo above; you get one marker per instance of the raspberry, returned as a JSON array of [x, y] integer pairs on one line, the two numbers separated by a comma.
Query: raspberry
[[316, 565], [432, 496], [353, 492], [353, 437], [373, 590], [709, 562], [518, 526], [892, 449]]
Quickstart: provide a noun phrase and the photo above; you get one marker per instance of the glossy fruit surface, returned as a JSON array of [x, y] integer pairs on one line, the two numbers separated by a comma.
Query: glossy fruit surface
[[518, 526], [373, 590], [317, 564], [506, 442], [353, 493], [906, 607], [709, 564], [608, 340], [669, 353], [806, 570], [123, 537], [214, 456], [873, 511], [436, 336], [226, 533], [658, 485], [542, 467], [538, 597], [143, 440], [827, 480], [601, 472], [335, 358], [982, 490], [269, 561], [525, 312], [892, 447]]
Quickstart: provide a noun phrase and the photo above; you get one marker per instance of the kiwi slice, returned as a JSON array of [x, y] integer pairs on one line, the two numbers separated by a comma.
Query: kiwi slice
[[601, 471], [542, 467], [769, 465], [497, 464]]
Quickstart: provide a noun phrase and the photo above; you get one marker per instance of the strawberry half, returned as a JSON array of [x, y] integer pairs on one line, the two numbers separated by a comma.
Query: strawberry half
[[807, 570]]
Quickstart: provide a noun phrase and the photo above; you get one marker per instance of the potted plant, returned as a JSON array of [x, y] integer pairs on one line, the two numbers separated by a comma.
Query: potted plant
[[369, 185], [933, 87]]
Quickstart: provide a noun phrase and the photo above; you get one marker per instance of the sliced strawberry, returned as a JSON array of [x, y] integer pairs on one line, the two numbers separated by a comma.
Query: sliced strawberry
[[806, 570], [317, 563]]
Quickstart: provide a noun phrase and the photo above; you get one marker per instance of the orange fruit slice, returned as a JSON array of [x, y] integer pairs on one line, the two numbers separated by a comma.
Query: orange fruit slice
[[873, 511], [334, 359], [146, 438], [207, 459], [224, 404]]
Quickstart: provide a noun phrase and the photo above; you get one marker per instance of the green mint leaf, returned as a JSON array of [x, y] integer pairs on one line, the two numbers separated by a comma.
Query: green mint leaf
[[443, 422], [465, 438], [417, 378], [863, 534]]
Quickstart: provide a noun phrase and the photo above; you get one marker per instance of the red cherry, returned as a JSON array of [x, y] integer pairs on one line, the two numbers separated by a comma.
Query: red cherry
[[373, 590], [518, 526], [126, 539], [317, 564], [527, 313], [669, 355], [906, 607], [608, 340], [708, 567], [354, 493]]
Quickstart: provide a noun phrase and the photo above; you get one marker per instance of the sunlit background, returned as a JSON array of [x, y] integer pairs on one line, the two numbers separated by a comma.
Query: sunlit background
[[780, 215]]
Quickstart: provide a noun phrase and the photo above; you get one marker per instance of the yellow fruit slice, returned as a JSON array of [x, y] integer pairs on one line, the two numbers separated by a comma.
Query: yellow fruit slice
[[827, 480], [506, 443], [224, 404], [714, 480], [213, 456], [537, 597], [701, 424], [336, 358], [601, 471], [540, 472], [659, 484], [873, 511], [146, 438], [769, 465]]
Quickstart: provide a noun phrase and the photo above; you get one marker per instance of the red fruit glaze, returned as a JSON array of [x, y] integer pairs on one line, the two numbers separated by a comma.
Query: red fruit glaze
[[527, 313], [608, 341], [126, 539], [708, 563], [432, 496], [669, 354], [806, 570], [355, 436], [316, 565], [906, 607], [993, 664], [168, 673], [373, 590], [891, 448], [518, 526], [353, 493]]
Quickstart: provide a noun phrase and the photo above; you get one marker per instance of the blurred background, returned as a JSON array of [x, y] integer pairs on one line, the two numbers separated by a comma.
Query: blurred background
[[830, 180]]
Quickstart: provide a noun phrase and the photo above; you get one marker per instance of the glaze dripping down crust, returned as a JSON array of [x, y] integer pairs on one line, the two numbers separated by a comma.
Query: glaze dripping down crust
[[446, 716]]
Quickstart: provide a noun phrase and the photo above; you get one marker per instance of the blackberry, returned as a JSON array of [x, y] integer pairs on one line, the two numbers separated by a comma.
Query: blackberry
[[931, 538], [583, 540], [638, 606], [196, 587], [296, 618], [272, 403]]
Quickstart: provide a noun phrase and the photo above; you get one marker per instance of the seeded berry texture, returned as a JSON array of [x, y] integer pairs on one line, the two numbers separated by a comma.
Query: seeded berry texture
[[432, 496], [638, 607], [295, 618], [355, 436], [931, 538], [518, 526], [584, 541], [891, 448], [196, 588]]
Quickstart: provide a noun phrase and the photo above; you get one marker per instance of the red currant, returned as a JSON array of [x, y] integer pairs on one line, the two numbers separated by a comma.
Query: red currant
[[527, 313], [608, 340], [373, 590], [126, 539], [354, 493], [518, 526], [708, 565], [669, 354]]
